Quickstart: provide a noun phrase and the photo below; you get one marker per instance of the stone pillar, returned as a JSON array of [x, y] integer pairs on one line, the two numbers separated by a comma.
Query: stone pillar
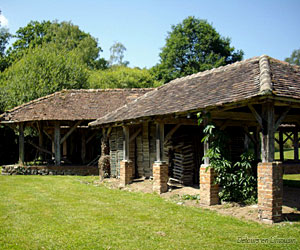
[[125, 172], [269, 179], [209, 192], [160, 177]]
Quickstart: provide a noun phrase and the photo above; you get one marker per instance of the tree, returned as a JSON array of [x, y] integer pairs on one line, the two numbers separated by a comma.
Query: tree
[[117, 54], [122, 77], [294, 58], [193, 46], [43, 70], [65, 36], [31, 35], [4, 38]]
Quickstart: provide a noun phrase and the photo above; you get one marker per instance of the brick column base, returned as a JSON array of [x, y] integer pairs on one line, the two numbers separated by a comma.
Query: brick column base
[[209, 192], [125, 173], [269, 181], [160, 177]]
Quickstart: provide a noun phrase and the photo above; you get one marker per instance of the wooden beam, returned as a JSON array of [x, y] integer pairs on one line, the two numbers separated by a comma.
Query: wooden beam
[[65, 149], [159, 142], [92, 136], [182, 121], [70, 132], [296, 145], [172, 131], [125, 143], [57, 143], [281, 118], [40, 148], [41, 138], [205, 143], [256, 115], [83, 146], [252, 138], [109, 131], [136, 133], [21, 143], [281, 152], [267, 145], [49, 136]]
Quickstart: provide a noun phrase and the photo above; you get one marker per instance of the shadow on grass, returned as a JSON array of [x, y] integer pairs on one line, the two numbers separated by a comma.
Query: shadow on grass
[[292, 183], [291, 217]]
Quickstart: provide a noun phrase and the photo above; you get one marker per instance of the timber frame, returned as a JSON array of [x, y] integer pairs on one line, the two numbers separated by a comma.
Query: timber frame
[[259, 97]]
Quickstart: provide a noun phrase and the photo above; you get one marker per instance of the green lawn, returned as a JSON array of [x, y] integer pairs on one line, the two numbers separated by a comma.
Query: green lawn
[[69, 212], [292, 180], [288, 154]]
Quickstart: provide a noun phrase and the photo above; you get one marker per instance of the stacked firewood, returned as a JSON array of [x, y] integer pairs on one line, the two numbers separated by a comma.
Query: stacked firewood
[[183, 163]]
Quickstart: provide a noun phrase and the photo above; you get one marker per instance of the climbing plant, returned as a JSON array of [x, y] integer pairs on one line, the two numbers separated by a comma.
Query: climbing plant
[[236, 180]]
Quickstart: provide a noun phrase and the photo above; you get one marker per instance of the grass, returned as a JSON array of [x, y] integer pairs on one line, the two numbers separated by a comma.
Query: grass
[[288, 154], [291, 180], [69, 212]]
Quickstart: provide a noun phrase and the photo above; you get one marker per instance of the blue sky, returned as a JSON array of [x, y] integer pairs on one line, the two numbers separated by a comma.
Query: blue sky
[[257, 27]]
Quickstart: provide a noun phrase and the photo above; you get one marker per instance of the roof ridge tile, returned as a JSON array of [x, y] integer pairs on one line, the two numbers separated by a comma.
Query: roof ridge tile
[[265, 76]]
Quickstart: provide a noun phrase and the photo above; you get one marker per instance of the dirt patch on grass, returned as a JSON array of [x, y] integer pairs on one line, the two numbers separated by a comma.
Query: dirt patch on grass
[[189, 196]]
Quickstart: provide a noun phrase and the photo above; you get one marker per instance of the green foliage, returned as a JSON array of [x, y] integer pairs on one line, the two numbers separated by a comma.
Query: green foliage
[[190, 197], [65, 35], [193, 46], [43, 70], [294, 58], [32, 35], [122, 77], [4, 38], [236, 180]]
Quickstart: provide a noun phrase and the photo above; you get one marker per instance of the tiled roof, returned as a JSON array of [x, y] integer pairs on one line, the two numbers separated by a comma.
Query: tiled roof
[[228, 84], [84, 104]]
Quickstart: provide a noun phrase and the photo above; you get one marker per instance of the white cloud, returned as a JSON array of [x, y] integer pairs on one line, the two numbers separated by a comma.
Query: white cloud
[[3, 21]]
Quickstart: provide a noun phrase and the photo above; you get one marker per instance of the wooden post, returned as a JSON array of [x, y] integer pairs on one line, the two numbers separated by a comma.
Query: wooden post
[[65, 149], [281, 146], [159, 142], [267, 142], [41, 139], [83, 147], [296, 144], [125, 143], [57, 143], [21, 143], [205, 145]]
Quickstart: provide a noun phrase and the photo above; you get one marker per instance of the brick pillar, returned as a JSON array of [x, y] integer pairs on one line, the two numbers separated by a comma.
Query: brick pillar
[[160, 177], [125, 172], [269, 178], [209, 192]]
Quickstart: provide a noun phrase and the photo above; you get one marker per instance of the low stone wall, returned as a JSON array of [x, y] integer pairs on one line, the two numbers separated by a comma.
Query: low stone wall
[[49, 170]]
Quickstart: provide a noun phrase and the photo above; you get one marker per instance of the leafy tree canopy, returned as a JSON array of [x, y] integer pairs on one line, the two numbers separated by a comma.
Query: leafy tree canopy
[[43, 70], [294, 58], [4, 38], [65, 36], [193, 46], [122, 77]]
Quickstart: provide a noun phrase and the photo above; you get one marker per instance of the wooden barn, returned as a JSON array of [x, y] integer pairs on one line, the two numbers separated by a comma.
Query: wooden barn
[[60, 121], [256, 101]]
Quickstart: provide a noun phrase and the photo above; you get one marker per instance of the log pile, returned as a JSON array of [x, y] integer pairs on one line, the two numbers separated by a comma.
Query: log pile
[[183, 163], [116, 151]]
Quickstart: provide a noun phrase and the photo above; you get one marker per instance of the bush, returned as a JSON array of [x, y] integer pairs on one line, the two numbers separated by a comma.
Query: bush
[[236, 180]]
